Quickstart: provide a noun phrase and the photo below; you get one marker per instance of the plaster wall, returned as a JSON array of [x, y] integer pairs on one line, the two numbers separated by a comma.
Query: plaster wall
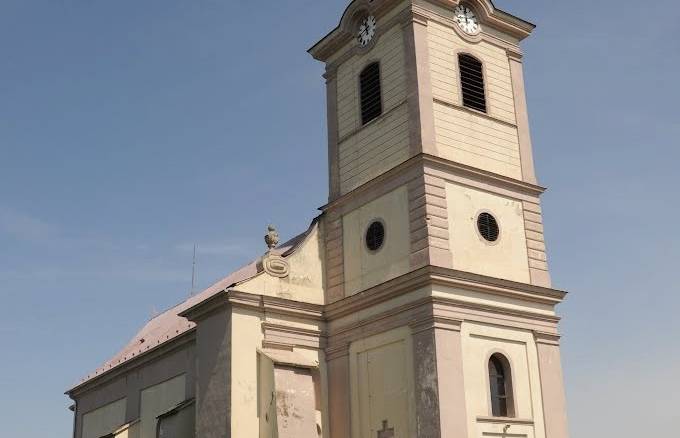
[[364, 268], [158, 399], [305, 280], [479, 342], [129, 385], [104, 420], [365, 152], [487, 141], [507, 257], [213, 348], [246, 339]]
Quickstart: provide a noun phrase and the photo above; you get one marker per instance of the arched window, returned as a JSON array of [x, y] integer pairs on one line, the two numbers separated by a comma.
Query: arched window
[[472, 82], [500, 380], [369, 83]]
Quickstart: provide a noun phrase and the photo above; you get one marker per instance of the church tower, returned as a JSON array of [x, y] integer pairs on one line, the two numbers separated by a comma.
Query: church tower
[[417, 305], [441, 311]]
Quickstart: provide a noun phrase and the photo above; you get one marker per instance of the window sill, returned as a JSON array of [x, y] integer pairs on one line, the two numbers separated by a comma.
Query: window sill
[[506, 420]]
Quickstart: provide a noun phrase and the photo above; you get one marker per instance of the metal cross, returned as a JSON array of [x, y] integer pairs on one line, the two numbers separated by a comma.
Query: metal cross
[[385, 432]]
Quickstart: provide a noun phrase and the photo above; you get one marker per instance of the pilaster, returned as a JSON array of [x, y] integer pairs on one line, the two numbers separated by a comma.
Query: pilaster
[[536, 250], [339, 391], [552, 385], [333, 137], [522, 117], [440, 390], [419, 86], [335, 262], [429, 224]]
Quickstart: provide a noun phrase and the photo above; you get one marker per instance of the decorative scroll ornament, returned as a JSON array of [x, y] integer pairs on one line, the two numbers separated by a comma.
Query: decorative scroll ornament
[[276, 266], [273, 264], [272, 237]]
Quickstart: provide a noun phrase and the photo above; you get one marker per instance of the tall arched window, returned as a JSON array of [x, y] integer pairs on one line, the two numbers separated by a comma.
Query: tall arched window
[[369, 83], [500, 380], [472, 82]]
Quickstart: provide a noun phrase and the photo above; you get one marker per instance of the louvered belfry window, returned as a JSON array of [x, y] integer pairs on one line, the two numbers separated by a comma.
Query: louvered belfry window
[[371, 104], [488, 227], [472, 82]]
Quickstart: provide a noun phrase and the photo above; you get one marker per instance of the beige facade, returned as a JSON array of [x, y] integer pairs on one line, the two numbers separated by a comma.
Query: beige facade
[[418, 304]]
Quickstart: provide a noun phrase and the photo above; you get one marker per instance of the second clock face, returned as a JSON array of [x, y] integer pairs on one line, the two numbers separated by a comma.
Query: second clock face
[[466, 19], [366, 30]]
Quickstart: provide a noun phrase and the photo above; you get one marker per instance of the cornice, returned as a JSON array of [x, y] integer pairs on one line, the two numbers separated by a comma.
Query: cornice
[[496, 179], [337, 38], [431, 161], [436, 323], [493, 17], [286, 336], [546, 338], [235, 298], [497, 18], [425, 314], [433, 275]]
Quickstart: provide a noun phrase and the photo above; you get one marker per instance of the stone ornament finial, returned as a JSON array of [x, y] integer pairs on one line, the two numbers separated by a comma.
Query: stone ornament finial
[[272, 263], [272, 237]]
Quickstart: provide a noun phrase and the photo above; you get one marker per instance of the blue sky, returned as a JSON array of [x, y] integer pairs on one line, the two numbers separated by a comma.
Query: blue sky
[[131, 130]]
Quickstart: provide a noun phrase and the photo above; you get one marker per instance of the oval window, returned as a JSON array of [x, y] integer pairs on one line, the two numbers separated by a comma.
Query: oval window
[[375, 236], [488, 227]]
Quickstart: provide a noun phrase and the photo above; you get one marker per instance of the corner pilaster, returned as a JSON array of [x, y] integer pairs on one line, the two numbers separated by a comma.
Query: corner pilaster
[[522, 117], [337, 359], [429, 223], [332, 123], [419, 86], [440, 390], [335, 261], [536, 249], [552, 385]]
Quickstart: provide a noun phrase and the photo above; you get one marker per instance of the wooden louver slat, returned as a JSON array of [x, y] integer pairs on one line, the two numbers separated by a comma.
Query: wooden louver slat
[[472, 82], [371, 103]]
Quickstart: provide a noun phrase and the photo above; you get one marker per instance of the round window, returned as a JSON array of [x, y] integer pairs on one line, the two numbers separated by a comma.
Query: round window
[[375, 236], [488, 227]]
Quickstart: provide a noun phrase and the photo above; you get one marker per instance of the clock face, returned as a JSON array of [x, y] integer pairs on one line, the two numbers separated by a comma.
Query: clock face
[[466, 19], [366, 30]]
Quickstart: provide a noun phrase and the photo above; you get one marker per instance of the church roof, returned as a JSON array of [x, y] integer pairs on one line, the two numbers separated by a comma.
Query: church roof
[[170, 325]]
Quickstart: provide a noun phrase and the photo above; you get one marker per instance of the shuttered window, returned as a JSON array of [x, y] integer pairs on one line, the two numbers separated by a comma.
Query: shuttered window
[[371, 104], [472, 82], [488, 227]]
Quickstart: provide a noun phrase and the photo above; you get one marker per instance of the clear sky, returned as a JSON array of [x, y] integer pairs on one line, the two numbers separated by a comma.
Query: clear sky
[[130, 130]]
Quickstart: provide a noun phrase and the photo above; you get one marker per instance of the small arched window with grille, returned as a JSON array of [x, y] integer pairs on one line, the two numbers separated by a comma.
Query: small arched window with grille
[[472, 82], [500, 381], [369, 84]]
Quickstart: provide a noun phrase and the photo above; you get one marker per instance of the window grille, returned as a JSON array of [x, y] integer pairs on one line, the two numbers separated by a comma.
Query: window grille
[[472, 82], [371, 103]]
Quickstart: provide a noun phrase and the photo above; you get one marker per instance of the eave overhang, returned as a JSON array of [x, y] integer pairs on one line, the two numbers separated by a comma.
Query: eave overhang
[[139, 360]]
